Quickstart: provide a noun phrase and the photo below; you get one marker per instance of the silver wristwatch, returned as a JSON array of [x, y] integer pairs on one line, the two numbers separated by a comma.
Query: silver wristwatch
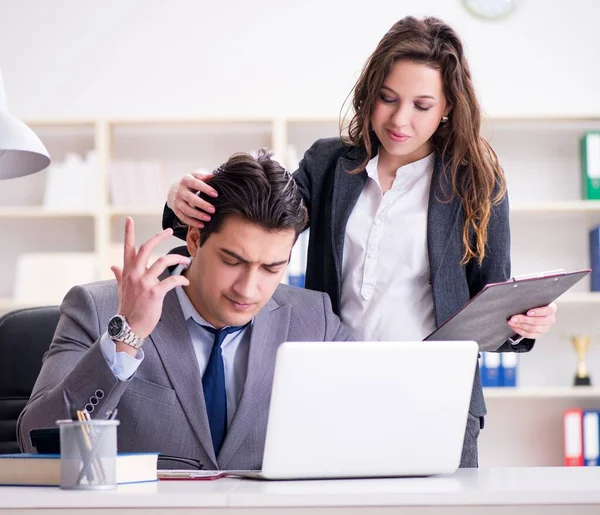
[[120, 331]]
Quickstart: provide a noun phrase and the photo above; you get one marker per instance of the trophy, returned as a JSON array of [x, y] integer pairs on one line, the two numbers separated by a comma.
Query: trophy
[[581, 345]]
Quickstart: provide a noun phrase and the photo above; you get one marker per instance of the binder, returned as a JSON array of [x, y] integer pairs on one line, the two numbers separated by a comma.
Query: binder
[[573, 437], [595, 258], [485, 317], [490, 375], [591, 438], [508, 369], [297, 265], [590, 166]]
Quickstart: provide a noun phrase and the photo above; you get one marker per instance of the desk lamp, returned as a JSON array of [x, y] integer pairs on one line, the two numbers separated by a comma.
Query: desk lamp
[[21, 151]]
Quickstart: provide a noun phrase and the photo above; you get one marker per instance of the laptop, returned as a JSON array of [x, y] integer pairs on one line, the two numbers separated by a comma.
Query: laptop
[[367, 409]]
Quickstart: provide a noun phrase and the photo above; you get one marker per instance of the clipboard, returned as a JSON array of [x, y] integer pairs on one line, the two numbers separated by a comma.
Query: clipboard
[[485, 317]]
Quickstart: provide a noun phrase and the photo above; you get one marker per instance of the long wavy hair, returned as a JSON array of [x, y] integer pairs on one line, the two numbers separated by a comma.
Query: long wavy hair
[[474, 172]]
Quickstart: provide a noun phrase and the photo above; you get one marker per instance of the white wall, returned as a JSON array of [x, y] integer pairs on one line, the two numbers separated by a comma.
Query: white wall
[[159, 58]]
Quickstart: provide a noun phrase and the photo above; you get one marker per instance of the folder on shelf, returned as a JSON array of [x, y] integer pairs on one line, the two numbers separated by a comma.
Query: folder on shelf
[[490, 372], [573, 437], [508, 369], [485, 317], [45, 277], [590, 165], [297, 265], [591, 438], [595, 258]]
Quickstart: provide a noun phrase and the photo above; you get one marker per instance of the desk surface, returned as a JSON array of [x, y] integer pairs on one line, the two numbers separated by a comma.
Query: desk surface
[[505, 488]]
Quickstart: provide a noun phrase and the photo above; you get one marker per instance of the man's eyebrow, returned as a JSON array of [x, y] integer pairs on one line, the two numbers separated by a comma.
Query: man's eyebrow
[[243, 260]]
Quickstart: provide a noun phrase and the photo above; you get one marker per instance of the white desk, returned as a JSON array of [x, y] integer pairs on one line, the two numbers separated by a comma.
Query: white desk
[[547, 491]]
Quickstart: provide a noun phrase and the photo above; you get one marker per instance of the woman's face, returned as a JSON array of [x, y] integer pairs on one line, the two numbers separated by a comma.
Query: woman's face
[[408, 110]]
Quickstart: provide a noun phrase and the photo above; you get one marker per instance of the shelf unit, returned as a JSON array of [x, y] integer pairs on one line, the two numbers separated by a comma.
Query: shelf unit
[[549, 224], [542, 393], [188, 144]]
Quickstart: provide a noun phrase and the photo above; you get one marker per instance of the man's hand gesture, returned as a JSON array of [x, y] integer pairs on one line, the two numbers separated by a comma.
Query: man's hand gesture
[[141, 292]]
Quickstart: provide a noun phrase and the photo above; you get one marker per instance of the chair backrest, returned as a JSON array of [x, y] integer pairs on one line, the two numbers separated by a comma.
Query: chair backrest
[[25, 335]]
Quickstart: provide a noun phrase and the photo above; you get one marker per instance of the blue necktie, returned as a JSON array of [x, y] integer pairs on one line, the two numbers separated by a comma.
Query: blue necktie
[[213, 384]]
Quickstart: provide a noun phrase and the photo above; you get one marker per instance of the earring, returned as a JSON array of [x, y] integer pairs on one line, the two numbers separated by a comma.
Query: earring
[[444, 119]]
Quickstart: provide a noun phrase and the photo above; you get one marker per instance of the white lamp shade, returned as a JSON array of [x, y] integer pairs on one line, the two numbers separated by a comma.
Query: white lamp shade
[[21, 151]]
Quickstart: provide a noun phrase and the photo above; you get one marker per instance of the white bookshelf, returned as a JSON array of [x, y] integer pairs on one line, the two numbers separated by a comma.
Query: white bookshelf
[[549, 225], [584, 298], [32, 213], [557, 207], [567, 392]]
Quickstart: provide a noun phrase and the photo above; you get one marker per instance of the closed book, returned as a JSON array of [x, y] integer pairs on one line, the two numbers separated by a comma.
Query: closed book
[[573, 437], [591, 438], [44, 469], [595, 259]]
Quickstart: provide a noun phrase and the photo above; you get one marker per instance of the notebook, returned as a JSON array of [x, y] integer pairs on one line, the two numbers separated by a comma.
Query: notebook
[[44, 469], [367, 409]]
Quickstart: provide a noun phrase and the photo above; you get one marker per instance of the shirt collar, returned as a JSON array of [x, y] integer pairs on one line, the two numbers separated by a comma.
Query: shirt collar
[[187, 308], [422, 166]]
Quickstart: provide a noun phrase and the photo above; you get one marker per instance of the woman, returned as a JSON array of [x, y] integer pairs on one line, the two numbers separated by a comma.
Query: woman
[[408, 212]]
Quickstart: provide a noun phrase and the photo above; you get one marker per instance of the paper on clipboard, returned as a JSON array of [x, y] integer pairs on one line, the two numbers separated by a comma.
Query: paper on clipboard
[[485, 317]]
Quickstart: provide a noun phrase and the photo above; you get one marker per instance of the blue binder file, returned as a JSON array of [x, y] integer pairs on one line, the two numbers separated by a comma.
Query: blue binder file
[[297, 265], [591, 438], [595, 258], [490, 374], [508, 369]]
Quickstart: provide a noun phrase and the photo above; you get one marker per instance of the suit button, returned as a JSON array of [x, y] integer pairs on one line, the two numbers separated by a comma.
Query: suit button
[[89, 408], [94, 400], [99, 393]]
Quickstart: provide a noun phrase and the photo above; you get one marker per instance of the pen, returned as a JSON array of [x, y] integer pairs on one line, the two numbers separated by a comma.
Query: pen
[[74, 416], [112, 414], [90, 458]]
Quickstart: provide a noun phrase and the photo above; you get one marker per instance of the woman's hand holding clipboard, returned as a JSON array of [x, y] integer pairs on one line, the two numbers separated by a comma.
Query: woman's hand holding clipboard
[[485, 317]]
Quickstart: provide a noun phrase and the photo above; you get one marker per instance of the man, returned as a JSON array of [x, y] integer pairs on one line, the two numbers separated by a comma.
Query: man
[[188, 354]]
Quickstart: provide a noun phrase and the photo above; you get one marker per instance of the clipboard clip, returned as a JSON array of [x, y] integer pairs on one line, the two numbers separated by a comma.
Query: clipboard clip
[[537, 275]]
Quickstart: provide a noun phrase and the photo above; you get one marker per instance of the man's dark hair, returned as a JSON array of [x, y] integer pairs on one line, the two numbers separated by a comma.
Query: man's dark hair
[[259, 190]]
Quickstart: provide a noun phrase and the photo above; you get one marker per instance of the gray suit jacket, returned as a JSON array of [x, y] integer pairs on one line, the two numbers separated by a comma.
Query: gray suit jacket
[[161, 408]]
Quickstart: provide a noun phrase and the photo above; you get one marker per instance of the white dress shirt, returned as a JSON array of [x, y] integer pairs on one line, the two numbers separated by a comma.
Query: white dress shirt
[[235, 349], [386, 291]]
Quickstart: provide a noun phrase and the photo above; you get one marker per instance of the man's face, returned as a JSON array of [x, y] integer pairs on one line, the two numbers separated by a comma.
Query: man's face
[[237, 270]]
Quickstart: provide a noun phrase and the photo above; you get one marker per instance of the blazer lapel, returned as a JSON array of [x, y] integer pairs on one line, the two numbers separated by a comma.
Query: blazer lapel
[[347, 188], [442, 217], [269, 330], [174, 346]]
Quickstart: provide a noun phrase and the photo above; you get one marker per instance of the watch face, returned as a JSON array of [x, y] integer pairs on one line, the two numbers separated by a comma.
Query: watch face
[[115, 326]]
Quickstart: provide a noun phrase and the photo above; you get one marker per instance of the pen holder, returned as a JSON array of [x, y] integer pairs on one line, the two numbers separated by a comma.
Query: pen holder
[[88, 454]]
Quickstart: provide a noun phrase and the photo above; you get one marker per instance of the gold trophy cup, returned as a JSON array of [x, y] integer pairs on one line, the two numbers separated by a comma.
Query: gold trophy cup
[[581, 345]]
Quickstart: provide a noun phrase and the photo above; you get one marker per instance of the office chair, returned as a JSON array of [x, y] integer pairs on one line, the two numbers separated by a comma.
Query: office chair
[[25, 335]]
